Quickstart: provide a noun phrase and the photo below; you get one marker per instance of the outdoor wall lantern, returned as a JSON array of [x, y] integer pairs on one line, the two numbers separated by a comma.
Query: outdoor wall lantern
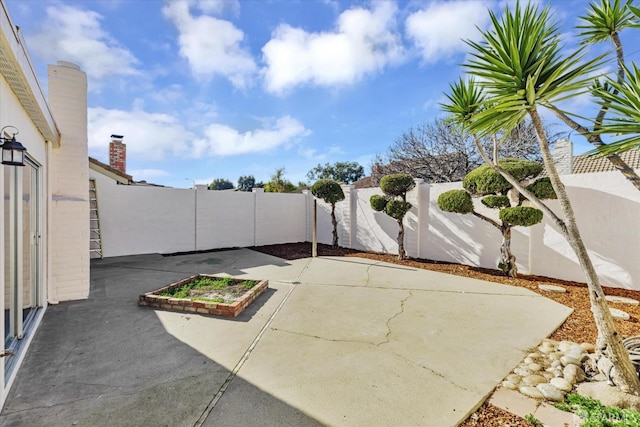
[[12, 150]]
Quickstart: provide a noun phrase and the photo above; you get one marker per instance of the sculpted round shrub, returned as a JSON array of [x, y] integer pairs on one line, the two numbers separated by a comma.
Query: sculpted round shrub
[[496, 202], [397, 185], [543, 189], [397, 209], [484, 180], [327, 190], [521, 215], [458, 201], [378, 203]]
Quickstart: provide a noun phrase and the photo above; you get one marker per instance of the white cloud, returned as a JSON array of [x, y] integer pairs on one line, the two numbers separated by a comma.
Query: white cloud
[[439, 29], [150, 136], [327, 152], [222, 140], [155, 136], [147, 174], [211, 45], [76, 35], [218, 7], [363, 42]]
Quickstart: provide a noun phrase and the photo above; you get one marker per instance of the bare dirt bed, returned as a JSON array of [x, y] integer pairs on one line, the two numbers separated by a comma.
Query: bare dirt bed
[[579, 327]]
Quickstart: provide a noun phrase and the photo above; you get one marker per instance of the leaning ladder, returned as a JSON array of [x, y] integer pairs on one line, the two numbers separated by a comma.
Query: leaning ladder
[[95, 239]]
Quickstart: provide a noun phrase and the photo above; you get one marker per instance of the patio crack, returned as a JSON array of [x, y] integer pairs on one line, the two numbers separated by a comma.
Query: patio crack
[[323, 338], [434, 372], [368, 275], [376, 264], [388, 323]]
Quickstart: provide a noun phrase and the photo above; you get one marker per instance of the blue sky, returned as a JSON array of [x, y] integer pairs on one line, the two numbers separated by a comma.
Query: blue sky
[[205, 89]]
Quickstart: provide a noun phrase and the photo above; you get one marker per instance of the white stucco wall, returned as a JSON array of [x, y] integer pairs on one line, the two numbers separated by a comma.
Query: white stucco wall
[[145, 219], [459, 238], [225, 218], [23, 105], [69, 234], [376, 231], [141, 220], [607, 208], [280, 218]]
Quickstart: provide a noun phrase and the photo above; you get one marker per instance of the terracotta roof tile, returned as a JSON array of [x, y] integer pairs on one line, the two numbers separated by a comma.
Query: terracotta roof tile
[[588, 164]]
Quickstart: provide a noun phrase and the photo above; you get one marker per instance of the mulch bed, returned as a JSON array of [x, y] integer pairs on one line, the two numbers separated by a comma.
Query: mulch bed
[[579, 327]]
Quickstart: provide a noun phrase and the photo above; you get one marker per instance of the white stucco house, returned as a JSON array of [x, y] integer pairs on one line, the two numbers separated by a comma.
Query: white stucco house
[[45, 255]]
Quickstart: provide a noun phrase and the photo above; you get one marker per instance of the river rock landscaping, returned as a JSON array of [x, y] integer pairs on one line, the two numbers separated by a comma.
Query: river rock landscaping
[[553, 369]]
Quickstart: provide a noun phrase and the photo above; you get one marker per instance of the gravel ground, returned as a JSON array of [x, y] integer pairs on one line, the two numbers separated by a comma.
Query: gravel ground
[[489, 415], [579, 327]]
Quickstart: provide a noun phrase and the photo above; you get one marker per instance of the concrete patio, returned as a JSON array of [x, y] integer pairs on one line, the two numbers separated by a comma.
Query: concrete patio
[[334, 341]]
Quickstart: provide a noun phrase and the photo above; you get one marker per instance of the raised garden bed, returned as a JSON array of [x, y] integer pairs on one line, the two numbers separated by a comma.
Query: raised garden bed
[[206, 294]]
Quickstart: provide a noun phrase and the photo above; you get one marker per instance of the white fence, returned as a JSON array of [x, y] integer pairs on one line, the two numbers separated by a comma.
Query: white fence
[[145, 219], [138, 220]]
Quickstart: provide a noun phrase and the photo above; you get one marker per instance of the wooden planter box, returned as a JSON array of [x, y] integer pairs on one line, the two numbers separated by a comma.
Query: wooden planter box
[[153, 299]]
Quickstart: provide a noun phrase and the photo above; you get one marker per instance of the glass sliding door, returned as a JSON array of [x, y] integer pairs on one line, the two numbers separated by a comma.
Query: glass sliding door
[[22, 254]]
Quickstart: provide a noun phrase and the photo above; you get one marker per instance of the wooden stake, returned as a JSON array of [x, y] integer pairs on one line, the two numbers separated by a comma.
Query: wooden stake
[[314, 244]]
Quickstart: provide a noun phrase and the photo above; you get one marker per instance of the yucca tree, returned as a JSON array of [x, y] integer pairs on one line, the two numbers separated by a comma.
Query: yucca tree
[[623, 102], [603, 23], [620, 97], [520, 66]]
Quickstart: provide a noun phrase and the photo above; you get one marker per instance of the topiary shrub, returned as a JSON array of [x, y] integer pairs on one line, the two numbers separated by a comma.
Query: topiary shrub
[[397, 185], [496, 202], [394, 202], [397, 209], [378, 202], [331, 192], [521, 215], [327, 190], [543, 189], [484, 180], [458, 201]]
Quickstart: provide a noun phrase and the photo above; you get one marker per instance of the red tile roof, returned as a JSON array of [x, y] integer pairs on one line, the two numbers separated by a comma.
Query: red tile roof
[[590, 164]]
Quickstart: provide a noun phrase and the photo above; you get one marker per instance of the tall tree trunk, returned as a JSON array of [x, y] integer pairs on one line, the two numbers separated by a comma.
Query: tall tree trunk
[[507, 260], [507, 263], [335, 225], [609, 341], [401, 253]]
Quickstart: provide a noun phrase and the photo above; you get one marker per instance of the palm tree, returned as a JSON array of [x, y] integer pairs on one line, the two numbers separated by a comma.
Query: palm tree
[[603, 22], [624, 103], [520, 66]]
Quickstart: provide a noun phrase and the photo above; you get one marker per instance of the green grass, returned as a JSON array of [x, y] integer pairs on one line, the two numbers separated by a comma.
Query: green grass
[[208, 284], [596, 414], [531, 419]]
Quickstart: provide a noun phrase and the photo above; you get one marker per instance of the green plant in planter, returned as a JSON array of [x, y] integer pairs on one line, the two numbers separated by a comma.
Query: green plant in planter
[[394, 202], [219, 284], [485, 182], [331, 192]]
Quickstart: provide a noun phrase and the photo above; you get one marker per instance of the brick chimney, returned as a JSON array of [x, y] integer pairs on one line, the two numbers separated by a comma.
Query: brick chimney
[[118, 153]]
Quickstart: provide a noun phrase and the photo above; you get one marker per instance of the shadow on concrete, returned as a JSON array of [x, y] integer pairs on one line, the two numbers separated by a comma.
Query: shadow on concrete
[[105, 361]]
